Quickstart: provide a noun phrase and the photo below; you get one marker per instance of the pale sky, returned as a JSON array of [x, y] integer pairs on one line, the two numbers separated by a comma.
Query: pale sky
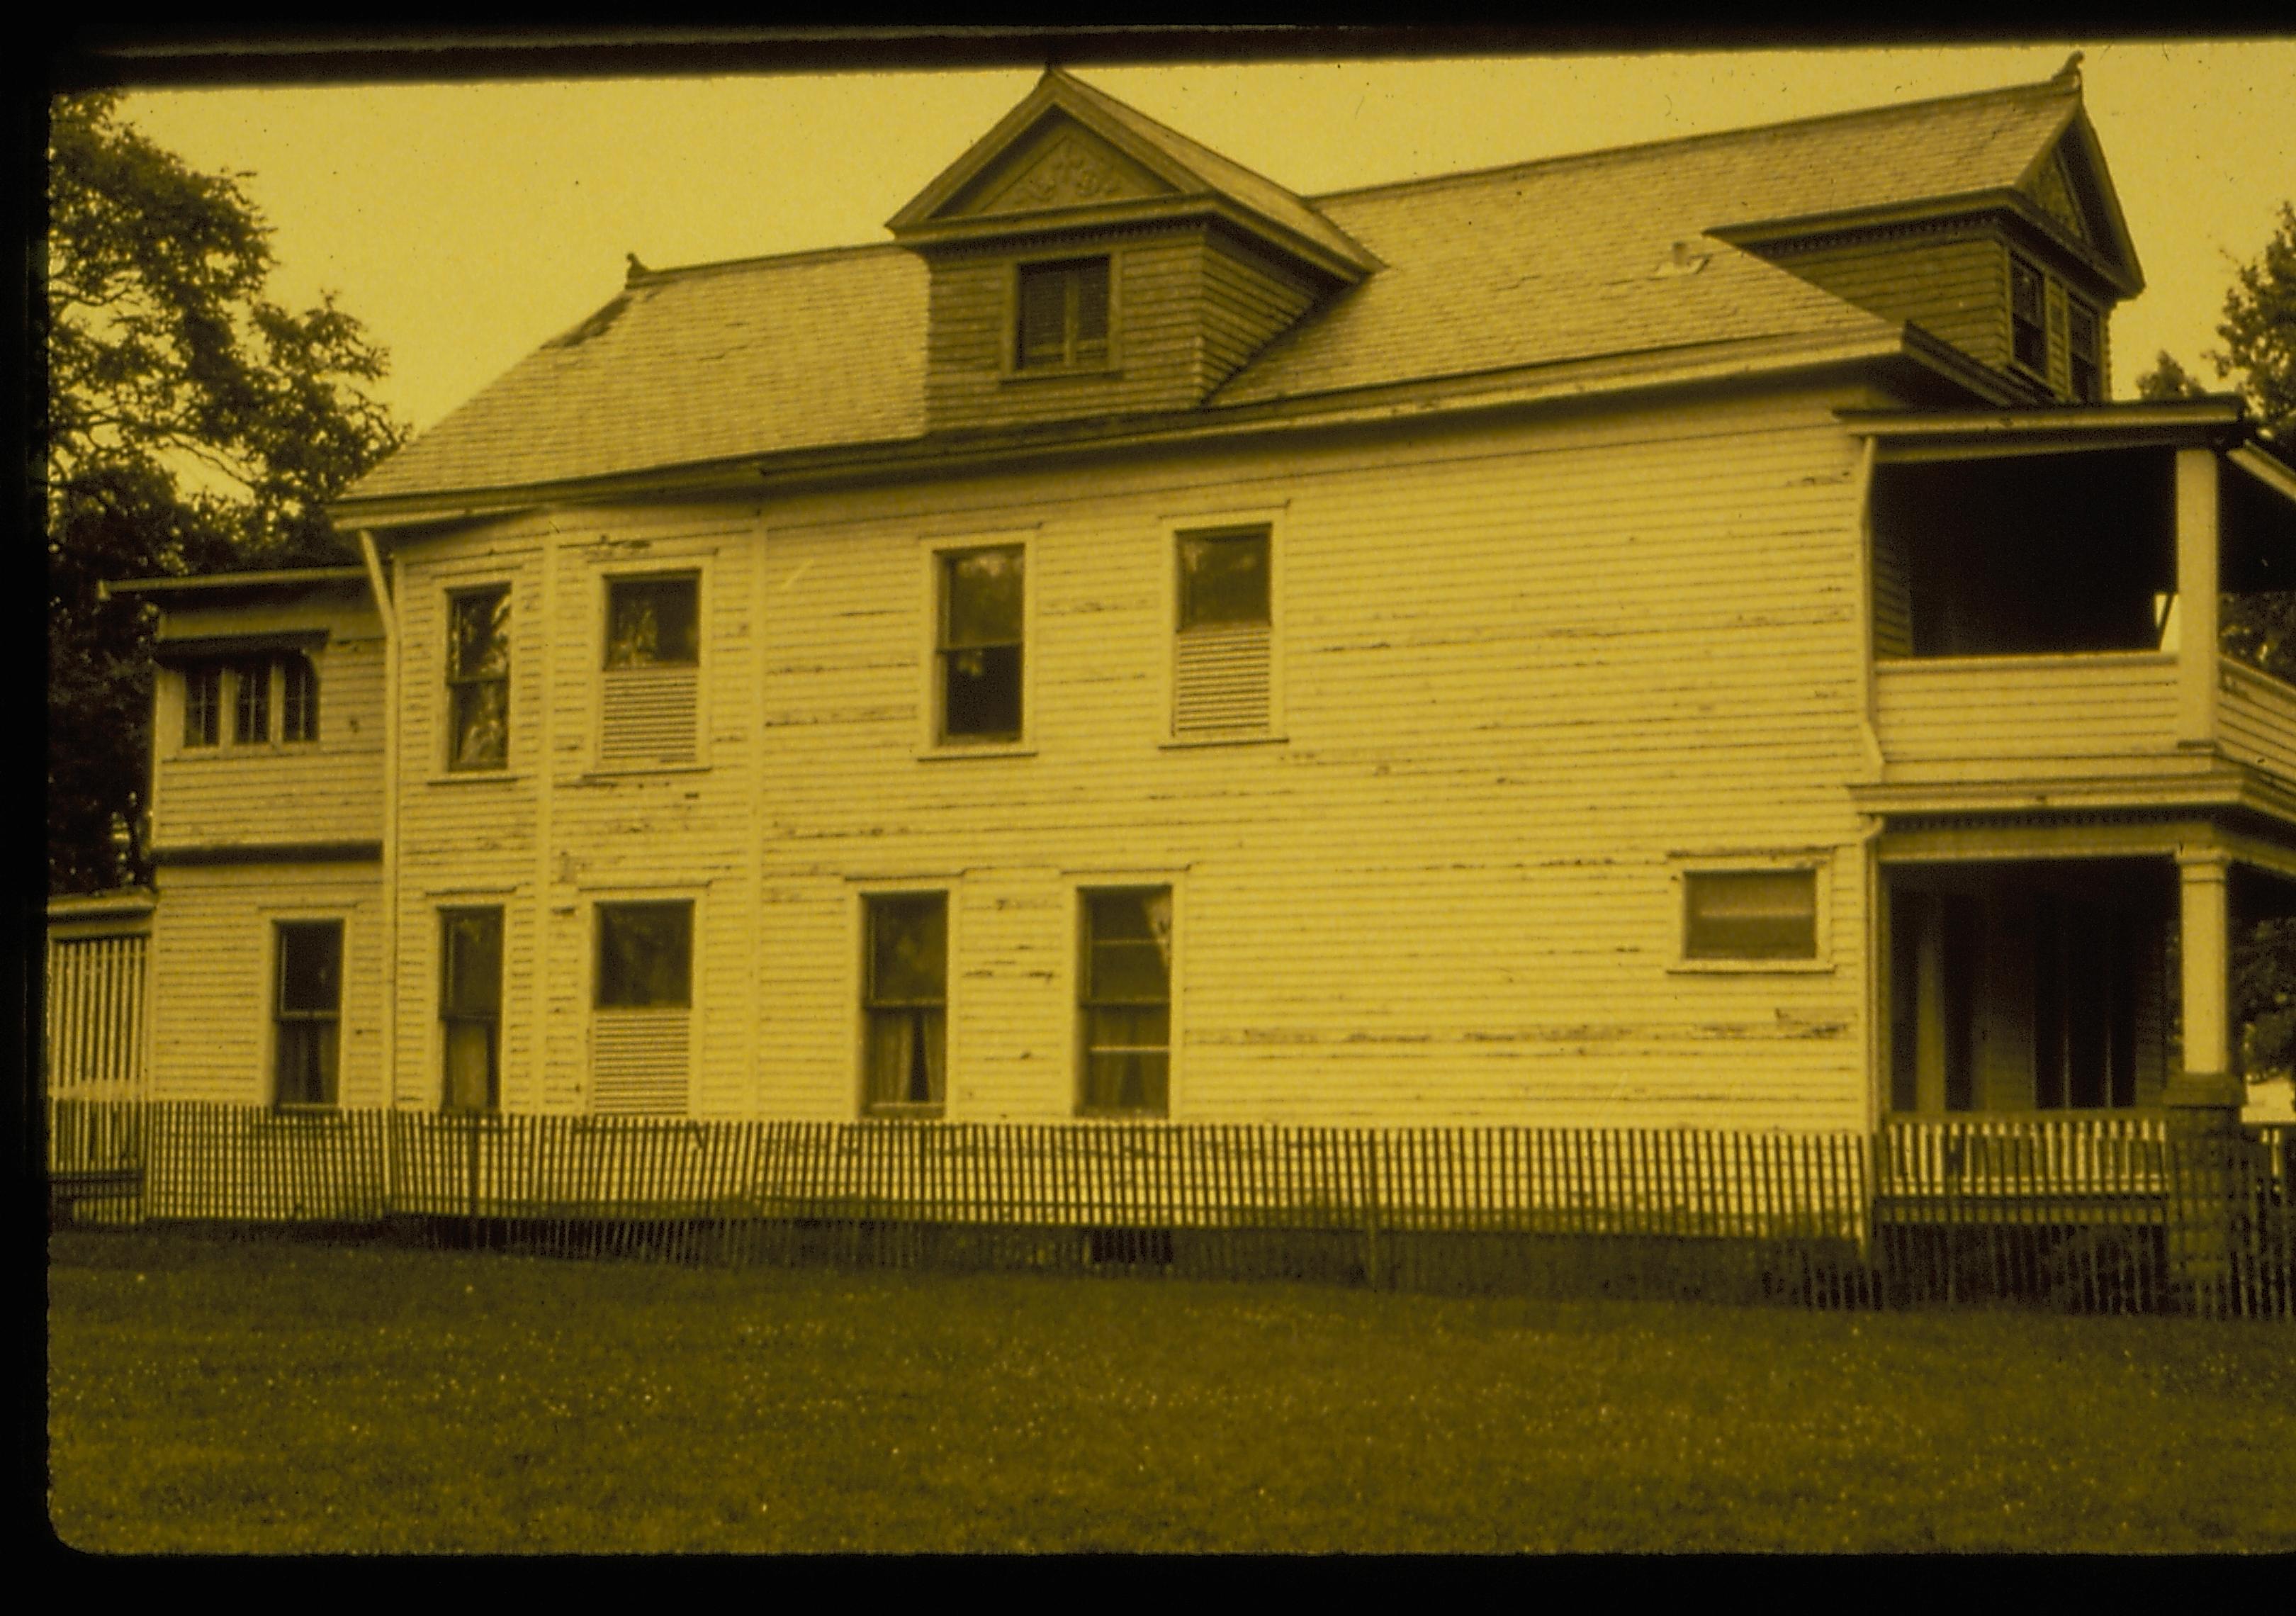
[[465, 224]]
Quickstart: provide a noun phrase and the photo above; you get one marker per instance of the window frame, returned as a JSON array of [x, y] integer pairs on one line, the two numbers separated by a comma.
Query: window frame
[[612, 579], [252, 703], [867, 901], [600, 904], [1178, 527], [306, 707], [654, 570], [1081, 1005], [2038, 367], [934, 742], [457, 681], [203, 679], [1015, 302], [2077, 309], [449, 1017], [1817, 863], [278, 1017]]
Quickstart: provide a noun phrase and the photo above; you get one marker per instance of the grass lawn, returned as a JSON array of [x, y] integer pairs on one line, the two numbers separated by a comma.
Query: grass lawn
[[279, 1397]]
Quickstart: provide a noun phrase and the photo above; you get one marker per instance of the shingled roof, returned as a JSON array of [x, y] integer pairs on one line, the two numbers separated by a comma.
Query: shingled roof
[[1570, 259]]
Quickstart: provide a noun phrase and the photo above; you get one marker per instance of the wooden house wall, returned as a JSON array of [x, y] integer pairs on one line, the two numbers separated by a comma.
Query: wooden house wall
[[1248, 301], [1526, 673], [1955, 287], [212, 991], [231, 794]]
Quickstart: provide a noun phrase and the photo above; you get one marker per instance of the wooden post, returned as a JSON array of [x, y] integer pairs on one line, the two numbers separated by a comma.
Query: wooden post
[[2203, 1098], [2197, 597]]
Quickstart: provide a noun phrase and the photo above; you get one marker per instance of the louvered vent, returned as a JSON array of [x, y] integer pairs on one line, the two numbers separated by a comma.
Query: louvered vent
[[1219, 679], [638, 1061], [652, 714]]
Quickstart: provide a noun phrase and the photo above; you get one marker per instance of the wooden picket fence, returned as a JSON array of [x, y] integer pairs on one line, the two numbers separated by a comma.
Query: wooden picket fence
[[2081, 1213]]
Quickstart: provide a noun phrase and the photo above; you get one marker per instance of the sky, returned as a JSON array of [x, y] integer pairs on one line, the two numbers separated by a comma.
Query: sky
[[465, 224]]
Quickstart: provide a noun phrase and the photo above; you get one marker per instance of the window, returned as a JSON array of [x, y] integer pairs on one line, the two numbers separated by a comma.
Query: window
[[2081, 344], [469, 1007], [1125, 1002], [1220, 665], [478, 679], [308, 1011], [980, 643], [1063, 315], [251, 719], [298, 698], [1749, 914], [2029, 331], [651, 702], [905, 1002], [642, 1030], [202, 704]]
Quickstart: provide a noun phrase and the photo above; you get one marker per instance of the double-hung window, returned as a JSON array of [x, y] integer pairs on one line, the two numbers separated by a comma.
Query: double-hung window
[[251, 715], [1222, 652], [469, 1007], [642, 1028], [979, 645], [478, 679], [299, 698], [2028, 318], [649, 704], [2087, 374], [307, 1011], [1063, 320], [905, 1002], [203, 703], [1124, 1002]]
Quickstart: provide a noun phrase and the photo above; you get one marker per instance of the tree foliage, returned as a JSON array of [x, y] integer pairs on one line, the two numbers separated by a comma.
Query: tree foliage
[[193, 424]]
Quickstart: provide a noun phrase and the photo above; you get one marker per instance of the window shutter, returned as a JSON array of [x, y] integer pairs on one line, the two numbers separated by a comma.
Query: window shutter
[[652, 714], [1220, 678], [639, 1062]]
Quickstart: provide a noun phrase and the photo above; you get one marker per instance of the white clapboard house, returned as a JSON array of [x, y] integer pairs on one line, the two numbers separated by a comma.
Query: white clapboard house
[[1677, 636]]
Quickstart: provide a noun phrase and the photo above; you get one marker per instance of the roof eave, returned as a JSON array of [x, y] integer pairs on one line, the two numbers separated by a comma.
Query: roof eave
[[1971, 206], [235, 583]]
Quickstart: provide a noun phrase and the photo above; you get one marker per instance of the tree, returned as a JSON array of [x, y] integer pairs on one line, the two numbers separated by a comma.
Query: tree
[[2259, 350], [193, 425]]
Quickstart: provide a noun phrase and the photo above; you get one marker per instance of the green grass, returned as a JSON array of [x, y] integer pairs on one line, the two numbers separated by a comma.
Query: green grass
[[278, 1398]]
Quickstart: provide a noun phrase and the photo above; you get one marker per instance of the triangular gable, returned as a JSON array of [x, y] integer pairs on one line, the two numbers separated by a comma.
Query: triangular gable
[[1070, 157], [2068, 182], [1056, 165]]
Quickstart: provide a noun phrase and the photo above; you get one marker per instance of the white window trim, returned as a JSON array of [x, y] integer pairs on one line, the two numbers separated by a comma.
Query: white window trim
[[664, 566], [1818, 861], [946, 888], [930, 549], [1173, 528], [587, 906], [506, 903], [1069, 984], [442, 750], [268, 1080]]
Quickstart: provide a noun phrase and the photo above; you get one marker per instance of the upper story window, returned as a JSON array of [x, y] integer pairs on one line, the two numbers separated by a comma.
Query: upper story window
[[298, 698], [1063, 316], [478, 678], [250, 721], [2028, 319], [649, 705], [978, 649], [1749, 914], [2081, 348], [202, 704], [1222, 653]]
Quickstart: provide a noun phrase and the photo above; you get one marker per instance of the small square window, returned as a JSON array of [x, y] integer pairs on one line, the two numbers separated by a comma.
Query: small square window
[[202, 704], [652, 622], [1063, 315], [1124, 1002], [1749, 914], [469, 1007], [307, 1011], [905, 1002], [645, 955], [1223, 578], [478, 679], [983, 624]]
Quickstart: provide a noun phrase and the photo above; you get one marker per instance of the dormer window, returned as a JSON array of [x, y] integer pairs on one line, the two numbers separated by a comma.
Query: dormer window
[[2028, 329], [2087, 370], [1062, 315]]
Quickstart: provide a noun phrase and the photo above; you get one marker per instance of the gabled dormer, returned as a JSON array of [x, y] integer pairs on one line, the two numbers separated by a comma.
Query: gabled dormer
[[2016, 255], [1087, 261]]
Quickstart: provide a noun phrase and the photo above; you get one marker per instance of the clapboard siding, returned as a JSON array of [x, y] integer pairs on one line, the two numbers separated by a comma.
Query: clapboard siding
[[231, 794], [2023, 717], [1956, 288], [2256, 720], [1248, 301], [211, 991], [1158, 300]]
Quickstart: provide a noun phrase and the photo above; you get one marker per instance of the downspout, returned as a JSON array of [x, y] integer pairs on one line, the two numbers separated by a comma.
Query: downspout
[[1869, 864], [390, 616], [1863, 525]]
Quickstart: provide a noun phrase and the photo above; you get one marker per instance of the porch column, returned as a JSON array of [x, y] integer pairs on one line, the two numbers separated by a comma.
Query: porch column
[[2197, 597], [2203, 1096]]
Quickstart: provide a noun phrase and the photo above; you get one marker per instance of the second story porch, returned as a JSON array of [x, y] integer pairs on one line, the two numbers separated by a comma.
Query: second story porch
[[2048, 599]]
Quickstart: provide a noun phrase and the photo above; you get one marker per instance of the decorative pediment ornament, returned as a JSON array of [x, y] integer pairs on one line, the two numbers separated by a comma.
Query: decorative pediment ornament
[[2053, 189], [1069, 174]]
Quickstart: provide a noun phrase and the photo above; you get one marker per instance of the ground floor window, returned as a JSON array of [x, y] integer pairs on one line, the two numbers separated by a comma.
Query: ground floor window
[[1125, 1002], [307, 1011], [642, 1029], [469, 1007], [905, 1002]]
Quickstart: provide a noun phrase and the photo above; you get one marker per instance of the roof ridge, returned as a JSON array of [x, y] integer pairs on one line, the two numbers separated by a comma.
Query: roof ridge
[[2058, 86], [648, 277]]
